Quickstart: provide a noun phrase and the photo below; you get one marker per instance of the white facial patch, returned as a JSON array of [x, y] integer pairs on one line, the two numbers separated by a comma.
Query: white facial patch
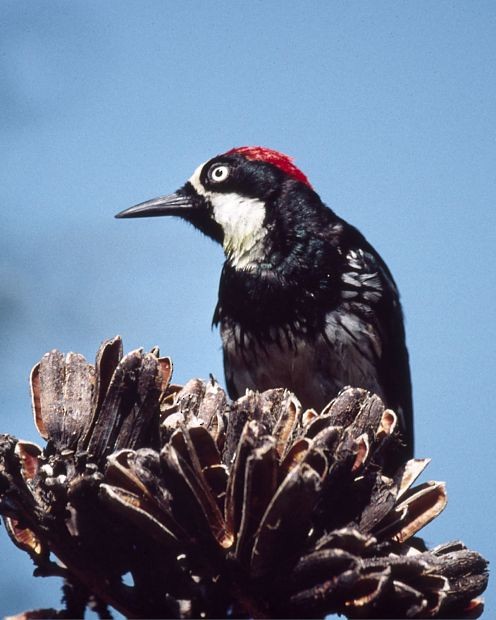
[[242, 221]]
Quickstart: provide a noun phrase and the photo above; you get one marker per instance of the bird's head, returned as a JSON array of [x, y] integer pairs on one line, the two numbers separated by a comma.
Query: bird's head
[[236, 198]]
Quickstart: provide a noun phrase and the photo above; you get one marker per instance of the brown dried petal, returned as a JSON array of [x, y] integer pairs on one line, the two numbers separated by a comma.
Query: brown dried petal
[[107, 358], [345, 407], [36, 400], [409, 473], [350, 593], [328, 439], [466, 572], [285, 425], [348, 539], [308, 416], [140, 426], [423, 505], [316, 458], [217, 428], [194, 498], [204, 446], [189, 399], [196, 446], [277, 408], [417, 509], [78, 393], [242, 411], [216, 477], [362, 451], [260, 483], [251, 438], [119, 473], [287, 518], [28, 454], [65, 387], [473, 609], [380, 507], [294, 456], [365, 592], [166, 368], [320, 566], [317, 425], [129, 411], [23, 537], [369, 417], [139, 511], [213, 404], [387, 424]]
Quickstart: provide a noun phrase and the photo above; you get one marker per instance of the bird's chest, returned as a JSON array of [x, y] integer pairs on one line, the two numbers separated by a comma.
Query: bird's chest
[[276, 360], [314, 366]]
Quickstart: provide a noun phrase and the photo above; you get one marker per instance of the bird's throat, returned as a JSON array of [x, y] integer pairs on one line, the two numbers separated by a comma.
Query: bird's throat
[[242, 221], [244, 252]]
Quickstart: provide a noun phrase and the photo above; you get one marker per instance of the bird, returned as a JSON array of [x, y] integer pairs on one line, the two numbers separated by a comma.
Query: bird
[[305, 302]]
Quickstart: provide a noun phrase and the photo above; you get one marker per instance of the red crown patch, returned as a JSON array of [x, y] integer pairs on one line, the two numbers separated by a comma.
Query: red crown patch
[[281, 161]]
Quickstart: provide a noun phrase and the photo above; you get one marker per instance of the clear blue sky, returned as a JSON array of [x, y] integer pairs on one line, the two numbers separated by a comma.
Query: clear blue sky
[[389, 108]]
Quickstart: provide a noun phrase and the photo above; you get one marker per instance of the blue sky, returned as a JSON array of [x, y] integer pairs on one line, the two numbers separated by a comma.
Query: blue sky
[[388, 107]]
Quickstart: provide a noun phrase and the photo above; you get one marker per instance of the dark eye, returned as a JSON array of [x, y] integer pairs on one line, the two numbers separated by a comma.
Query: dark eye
[[219, 173]]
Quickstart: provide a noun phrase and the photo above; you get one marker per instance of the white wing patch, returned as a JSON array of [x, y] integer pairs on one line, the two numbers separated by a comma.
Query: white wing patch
[[242, 221], [363, 279]]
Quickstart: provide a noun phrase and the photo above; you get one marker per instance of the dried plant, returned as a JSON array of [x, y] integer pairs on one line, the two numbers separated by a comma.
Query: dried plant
[[215, 509]]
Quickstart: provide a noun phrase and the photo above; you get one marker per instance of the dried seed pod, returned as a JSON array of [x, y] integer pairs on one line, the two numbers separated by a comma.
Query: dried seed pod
[[107, 359], [62, 394]]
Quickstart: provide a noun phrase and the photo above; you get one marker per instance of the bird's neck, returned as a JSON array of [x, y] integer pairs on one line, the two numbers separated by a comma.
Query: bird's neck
[[284, 274], [281, 235]]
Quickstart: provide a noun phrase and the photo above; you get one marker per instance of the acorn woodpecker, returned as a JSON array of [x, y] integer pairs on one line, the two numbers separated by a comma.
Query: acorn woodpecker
[[305, 302]]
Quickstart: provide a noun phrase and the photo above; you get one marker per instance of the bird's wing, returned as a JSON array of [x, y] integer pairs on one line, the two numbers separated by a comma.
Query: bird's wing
[[370, 291]]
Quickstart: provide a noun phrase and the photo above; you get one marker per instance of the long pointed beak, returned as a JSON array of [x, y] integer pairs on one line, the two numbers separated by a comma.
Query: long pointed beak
[[174, 204]]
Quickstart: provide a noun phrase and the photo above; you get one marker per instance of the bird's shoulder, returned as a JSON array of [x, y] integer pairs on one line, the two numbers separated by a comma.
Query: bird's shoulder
[[362, 271]]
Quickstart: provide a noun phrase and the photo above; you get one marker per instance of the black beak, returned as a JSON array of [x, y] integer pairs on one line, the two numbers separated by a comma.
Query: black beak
[[174, 204]]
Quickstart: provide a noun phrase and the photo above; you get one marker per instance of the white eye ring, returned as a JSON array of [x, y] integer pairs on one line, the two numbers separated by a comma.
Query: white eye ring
[[219, 173]]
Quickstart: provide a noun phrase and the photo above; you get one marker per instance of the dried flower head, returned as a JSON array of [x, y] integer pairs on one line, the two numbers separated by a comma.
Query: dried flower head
[[218, 509]]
